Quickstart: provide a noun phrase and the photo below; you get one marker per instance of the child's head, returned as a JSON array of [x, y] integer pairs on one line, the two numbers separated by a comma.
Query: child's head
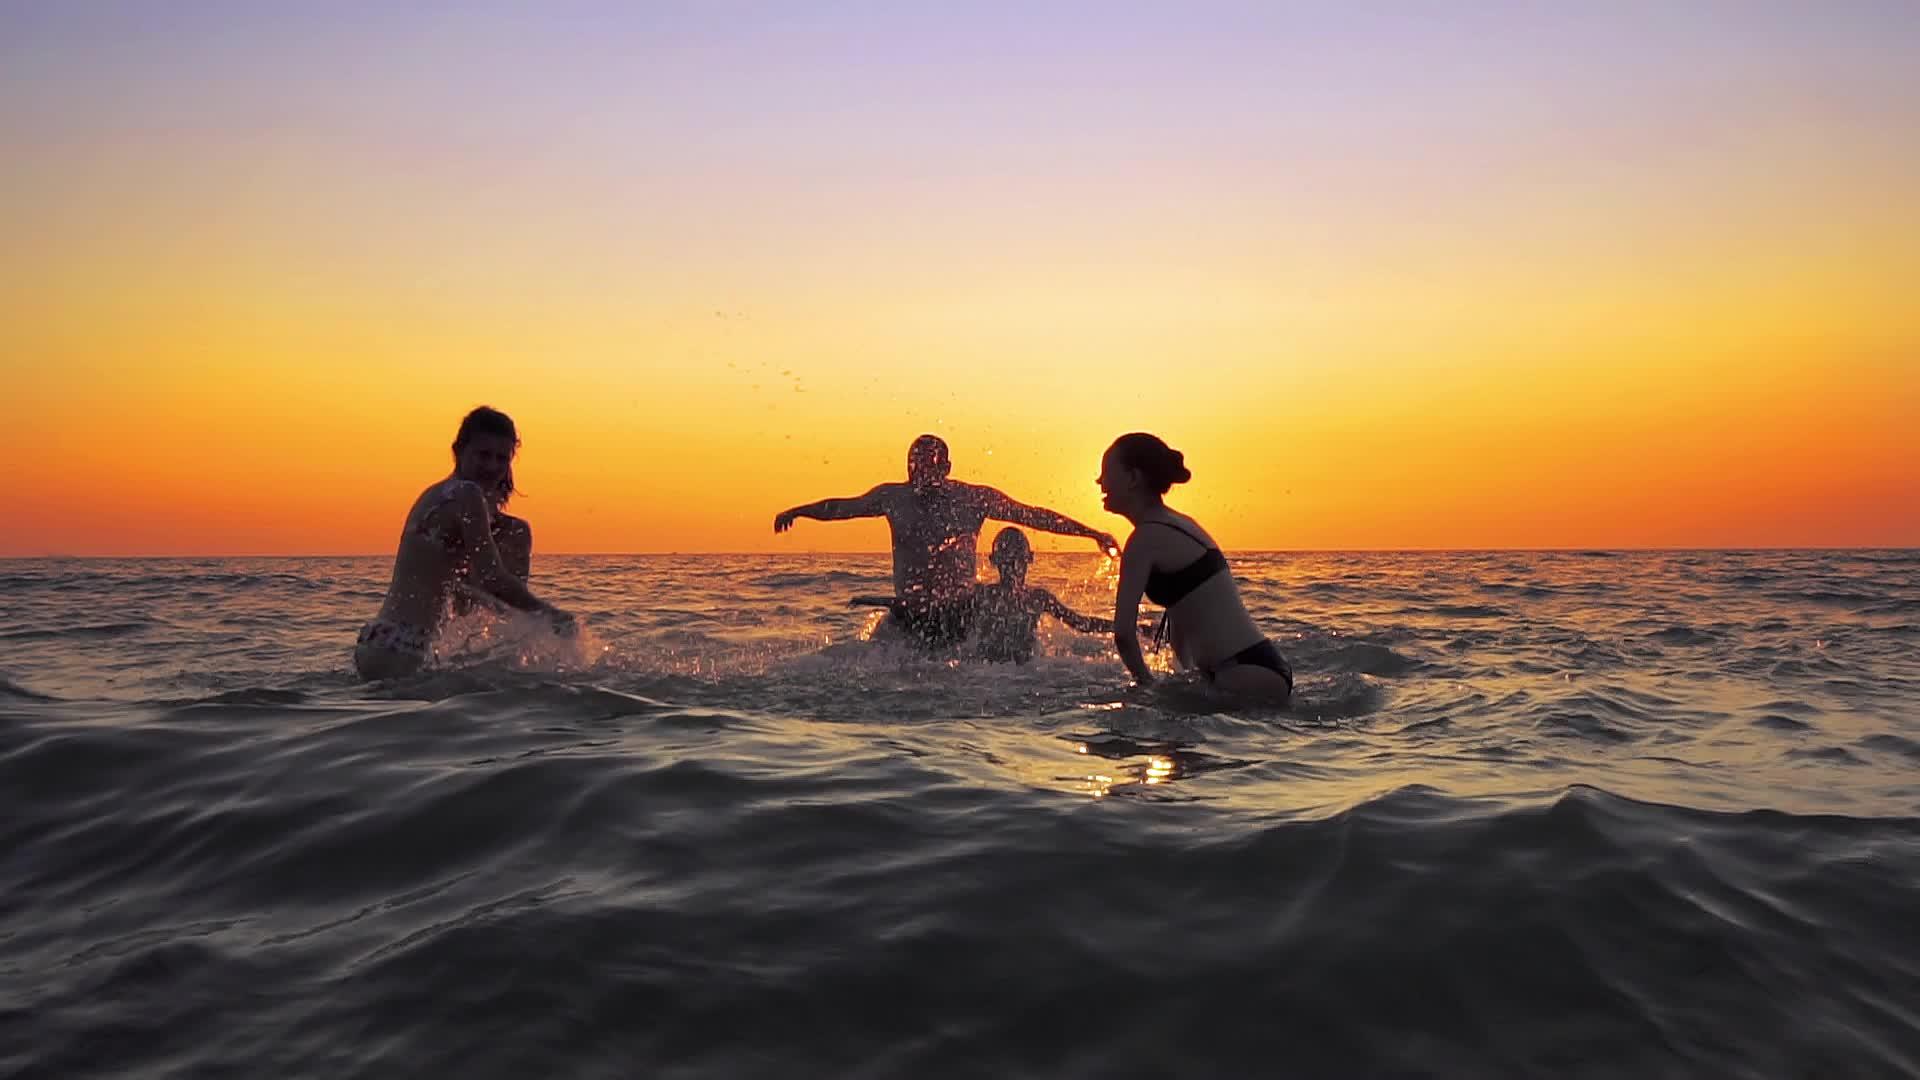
[[1012, 554]]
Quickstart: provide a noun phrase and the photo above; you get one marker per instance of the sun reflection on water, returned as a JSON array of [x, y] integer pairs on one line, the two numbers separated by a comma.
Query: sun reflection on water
[[1138, 765]]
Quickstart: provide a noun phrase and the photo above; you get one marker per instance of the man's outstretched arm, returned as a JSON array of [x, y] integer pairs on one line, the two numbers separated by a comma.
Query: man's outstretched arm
[[1001, 508], [872, 504]]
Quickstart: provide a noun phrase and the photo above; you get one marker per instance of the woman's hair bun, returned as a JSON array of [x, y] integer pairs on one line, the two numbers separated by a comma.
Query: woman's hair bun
[[1162, 465]]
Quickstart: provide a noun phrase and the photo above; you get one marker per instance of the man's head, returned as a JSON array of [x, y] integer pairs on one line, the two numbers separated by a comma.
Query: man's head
[[927, 462]]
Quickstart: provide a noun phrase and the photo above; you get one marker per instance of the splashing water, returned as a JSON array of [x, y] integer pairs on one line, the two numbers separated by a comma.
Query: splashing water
[[1531, 813]]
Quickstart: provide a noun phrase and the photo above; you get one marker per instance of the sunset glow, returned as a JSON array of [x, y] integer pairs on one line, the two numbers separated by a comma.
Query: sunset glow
[[1606, 277]]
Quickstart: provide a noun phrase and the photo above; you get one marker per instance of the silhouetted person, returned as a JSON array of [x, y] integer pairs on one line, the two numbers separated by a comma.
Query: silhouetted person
[[1006, 614], [448, 532], [936, 526], [1173, 561]]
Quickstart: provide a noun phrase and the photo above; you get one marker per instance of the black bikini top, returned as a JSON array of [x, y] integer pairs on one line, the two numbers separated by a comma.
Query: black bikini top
[[1169, 587]]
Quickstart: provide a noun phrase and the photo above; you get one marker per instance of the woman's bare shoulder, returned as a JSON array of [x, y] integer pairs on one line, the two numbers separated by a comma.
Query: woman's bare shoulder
[[1196, 530]]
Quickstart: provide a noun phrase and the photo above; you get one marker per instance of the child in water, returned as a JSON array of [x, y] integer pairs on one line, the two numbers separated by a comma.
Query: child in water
[[1006, 614]]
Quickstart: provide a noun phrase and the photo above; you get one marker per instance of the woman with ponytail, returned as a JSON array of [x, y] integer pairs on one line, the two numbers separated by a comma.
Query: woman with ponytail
[[1173, 562]]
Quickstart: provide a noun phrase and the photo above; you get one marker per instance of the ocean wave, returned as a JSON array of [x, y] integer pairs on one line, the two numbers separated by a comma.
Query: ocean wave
[[1652, 824], [11, 689], [1828, 755], [390, 879], [1887, 742], [1467, 611], [258, 695], [1362, 657], [818, 579], [216, 580], [1683, 636], [1526, 591], [82, 632], [1835, 598], [1588, 726]]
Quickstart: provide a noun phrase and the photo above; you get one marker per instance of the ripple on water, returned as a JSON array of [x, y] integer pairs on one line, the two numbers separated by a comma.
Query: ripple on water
[[1528, 815]]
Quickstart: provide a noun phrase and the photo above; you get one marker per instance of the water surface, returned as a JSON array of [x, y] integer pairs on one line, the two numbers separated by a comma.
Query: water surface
[[1599, 813]]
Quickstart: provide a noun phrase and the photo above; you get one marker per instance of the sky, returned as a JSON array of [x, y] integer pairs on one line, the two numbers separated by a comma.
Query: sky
[[1391, 275]]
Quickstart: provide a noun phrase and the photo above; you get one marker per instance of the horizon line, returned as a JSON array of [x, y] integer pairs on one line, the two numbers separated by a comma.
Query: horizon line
[[853, 551]]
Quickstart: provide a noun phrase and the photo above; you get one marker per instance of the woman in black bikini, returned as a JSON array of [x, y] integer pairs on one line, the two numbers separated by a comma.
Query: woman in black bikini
[[1174, 563], [448, 530]]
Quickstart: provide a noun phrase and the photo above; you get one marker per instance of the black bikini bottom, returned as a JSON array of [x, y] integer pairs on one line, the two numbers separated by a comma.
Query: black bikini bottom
[[1266, 655]]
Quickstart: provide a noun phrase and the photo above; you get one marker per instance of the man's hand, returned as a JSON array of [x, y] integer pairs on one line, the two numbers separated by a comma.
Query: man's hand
[[783, 521], [1108, 546]]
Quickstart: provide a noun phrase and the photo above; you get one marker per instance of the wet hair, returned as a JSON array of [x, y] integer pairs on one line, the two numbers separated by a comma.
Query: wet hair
[[1162, 465], [1010, 545], [934, 448], [485, 420]]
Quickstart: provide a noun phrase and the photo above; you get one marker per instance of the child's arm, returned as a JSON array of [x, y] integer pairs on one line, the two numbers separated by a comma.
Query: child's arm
[[1086, 624]]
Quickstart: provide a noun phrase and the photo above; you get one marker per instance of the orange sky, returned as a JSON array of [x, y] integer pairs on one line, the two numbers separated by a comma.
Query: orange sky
[[243, 303]]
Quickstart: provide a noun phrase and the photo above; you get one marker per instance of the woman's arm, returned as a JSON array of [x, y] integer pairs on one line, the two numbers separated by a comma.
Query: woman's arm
[[514, 537], [1134, 566], [476, 534]]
